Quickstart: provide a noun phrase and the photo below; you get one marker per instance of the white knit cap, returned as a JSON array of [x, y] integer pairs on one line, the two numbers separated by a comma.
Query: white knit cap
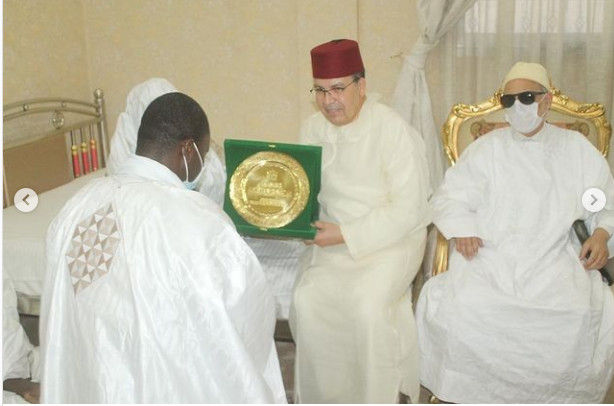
[[528, 70]]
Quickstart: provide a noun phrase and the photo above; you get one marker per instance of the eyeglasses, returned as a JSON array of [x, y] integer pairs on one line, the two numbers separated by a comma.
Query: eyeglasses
[[333, 91], [507, 100]]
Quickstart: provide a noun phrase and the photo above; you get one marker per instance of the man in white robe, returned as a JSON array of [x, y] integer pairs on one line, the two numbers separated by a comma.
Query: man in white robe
[[20, 366], [522, 315], [150, 294], [279, 258], [352, 317]]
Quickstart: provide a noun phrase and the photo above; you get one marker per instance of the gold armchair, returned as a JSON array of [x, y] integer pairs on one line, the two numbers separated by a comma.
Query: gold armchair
[[466, 123]]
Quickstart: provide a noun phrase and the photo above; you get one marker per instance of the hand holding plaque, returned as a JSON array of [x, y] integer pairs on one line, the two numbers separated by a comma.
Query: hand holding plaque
[[272, 188]]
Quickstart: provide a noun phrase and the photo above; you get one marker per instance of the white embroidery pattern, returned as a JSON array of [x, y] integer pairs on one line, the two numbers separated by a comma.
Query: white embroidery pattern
[[93, 248]]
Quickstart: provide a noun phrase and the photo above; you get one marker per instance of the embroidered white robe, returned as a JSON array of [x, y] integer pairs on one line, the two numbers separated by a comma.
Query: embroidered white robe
[[152, 297], [352, 316], [522, 322]]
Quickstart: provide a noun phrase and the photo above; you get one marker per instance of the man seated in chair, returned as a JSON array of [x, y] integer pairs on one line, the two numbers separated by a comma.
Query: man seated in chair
[[522, 315]]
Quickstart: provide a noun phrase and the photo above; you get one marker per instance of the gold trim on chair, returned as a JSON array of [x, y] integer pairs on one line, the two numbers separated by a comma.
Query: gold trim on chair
[[586, 114], [461, 113], [586, 118], [442, 251]]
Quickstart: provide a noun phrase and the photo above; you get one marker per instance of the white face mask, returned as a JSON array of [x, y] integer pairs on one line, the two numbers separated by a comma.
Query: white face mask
[[524, 118], [192, 185]]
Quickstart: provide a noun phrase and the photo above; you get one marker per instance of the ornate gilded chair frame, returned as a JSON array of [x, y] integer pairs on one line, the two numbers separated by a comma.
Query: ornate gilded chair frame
[[577, 116]]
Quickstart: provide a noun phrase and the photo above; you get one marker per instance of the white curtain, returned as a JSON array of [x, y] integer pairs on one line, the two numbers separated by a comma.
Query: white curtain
[[573, 39], [411, 96]]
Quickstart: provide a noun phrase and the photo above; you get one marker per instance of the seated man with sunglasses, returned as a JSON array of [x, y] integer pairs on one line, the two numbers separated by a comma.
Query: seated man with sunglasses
[[522, 315]]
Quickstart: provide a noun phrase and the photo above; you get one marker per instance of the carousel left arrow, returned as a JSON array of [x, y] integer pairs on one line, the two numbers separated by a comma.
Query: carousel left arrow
[[25, 200]]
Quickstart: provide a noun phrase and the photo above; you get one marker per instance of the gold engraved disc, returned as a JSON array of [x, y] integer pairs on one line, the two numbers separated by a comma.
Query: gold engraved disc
[[269, 189]]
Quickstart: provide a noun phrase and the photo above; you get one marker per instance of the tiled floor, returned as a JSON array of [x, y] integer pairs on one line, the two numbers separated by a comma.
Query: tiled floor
[[285, 352]]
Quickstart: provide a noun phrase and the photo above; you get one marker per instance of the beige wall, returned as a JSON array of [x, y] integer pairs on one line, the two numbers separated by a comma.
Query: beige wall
[[246, 61], [44, 50]]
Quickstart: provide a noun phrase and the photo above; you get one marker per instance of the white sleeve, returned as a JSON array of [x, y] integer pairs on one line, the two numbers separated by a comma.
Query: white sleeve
[[464, 188], [596, 173], [16, 346], [406, 209]]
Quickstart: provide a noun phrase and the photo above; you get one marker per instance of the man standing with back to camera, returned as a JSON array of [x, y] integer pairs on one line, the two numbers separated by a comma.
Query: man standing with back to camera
[[352, 314], [150, 295]]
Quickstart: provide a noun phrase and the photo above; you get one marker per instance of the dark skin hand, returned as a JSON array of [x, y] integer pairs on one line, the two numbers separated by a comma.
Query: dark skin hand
[[25, 388]]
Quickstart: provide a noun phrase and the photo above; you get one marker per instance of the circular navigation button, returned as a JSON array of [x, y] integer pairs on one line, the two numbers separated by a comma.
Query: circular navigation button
[[593, 200], [25, 200]]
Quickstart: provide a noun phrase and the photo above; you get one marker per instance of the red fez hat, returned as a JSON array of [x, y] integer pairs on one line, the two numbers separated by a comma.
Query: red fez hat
[[336, 59]]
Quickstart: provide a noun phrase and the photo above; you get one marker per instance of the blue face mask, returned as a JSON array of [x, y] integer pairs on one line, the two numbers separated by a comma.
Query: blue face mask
[[192, 185]]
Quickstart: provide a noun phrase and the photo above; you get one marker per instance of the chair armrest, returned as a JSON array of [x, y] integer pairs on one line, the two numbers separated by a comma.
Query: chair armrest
[[442, 252]]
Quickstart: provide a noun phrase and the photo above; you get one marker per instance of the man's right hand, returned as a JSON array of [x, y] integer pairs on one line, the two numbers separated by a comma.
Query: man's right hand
[[327, 234], [468, 246]]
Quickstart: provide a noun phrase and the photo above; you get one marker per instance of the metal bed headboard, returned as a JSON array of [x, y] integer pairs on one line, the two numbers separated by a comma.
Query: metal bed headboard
[[58, 139]]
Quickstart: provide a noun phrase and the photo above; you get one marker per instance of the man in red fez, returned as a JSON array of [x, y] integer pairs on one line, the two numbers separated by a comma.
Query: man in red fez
[[352, 316]]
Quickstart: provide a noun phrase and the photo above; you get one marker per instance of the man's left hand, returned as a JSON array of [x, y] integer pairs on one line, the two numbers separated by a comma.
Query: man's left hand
[[24, 387], [597, 245]]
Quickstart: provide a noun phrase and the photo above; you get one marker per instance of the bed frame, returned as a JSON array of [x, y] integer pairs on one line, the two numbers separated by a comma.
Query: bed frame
[[48, 142], [51, 141]]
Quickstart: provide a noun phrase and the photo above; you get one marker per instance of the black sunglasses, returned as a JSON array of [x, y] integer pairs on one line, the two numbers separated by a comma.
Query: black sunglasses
[[507, 100]]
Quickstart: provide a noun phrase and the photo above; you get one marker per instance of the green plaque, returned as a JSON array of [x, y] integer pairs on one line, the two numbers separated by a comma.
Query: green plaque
[[272, 188]]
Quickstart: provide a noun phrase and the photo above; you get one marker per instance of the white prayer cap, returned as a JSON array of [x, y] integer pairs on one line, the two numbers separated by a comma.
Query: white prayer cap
[[528, 70]]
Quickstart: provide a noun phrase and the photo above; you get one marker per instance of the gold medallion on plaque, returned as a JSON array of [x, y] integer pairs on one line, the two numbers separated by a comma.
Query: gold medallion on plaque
[[269, 189]]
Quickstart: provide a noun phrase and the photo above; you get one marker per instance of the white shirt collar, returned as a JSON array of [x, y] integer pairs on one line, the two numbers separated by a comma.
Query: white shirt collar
[[149, 169], [539, 137]]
